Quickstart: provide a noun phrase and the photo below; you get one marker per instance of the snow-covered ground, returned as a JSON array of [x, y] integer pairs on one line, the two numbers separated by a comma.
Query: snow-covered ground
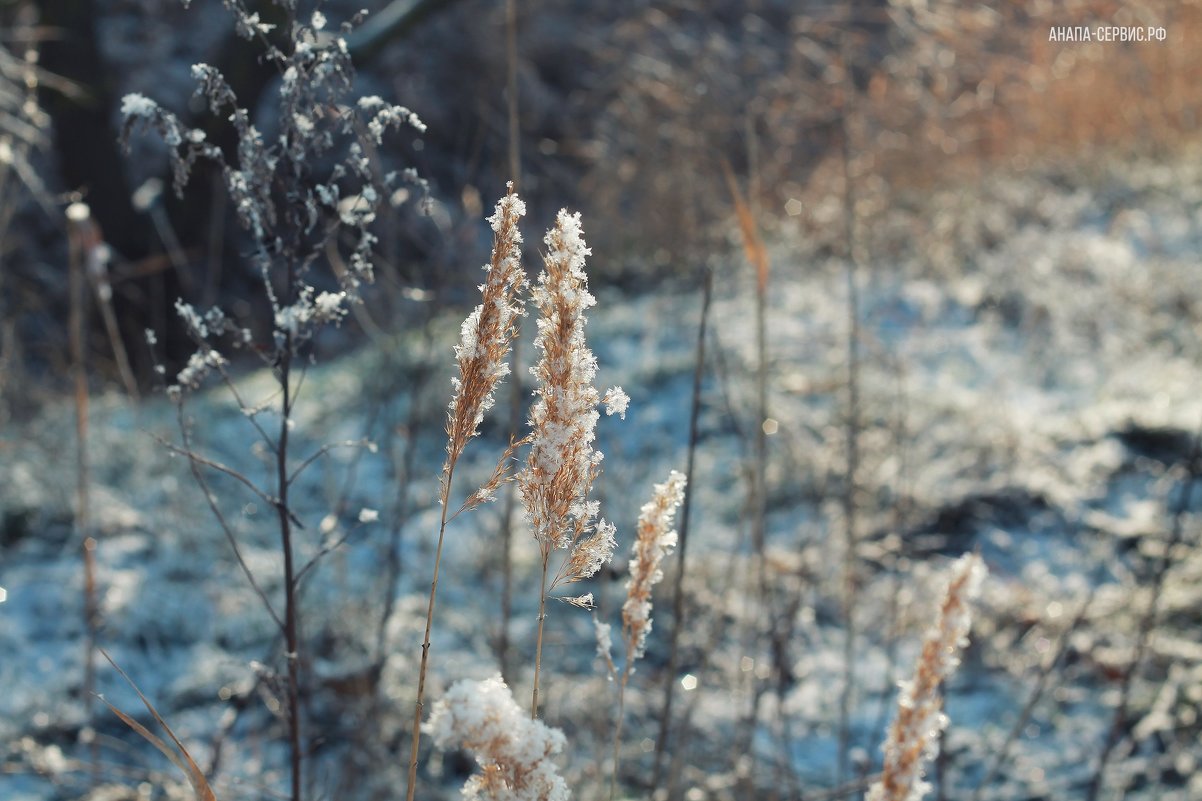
[[1029, 389]]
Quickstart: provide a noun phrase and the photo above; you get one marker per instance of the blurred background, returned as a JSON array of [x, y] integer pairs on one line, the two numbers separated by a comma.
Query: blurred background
[[627, 112]]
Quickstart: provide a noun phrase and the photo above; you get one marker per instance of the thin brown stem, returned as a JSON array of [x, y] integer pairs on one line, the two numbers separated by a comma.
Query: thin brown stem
[[1148, 621], [538, 648], [515, 421], [211, 499], [291, 642], [613, 779], [224, 469], [419, 704], [76, 281], [1002, 753], [511, 90], [400, 511], [665, 715], [852, 425]]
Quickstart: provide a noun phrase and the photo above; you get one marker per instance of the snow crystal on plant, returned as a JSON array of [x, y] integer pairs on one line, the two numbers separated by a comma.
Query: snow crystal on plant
[[569, 243], [585, 601], [368, 515], [596, 550], [616, 401], [512, 205], [137, 105], [298, 319], [604, 633], [513, 750], [198, 367], [192, 319]]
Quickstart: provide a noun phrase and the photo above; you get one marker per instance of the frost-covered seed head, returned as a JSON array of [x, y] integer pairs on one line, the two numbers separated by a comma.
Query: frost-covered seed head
[[913, 739], [562, 463], [487, 334], [654, 540]]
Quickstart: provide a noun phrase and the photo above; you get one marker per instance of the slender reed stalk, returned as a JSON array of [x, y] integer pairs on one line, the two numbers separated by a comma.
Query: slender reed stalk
[[511, 91], [482, 359], [504, 648], [757, 256], [913, 738], [1148, 620], [538, 646], [291, 640], [1049, 666], [665, 715], [852, 423], [417, 379], [78, 217]]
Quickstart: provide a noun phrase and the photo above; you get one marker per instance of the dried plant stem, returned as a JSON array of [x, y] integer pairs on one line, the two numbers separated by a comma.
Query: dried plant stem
[[76, 280], [1002, 753], [511, 91], [613, 777], [562, 463], [852, 426], [538, 647], [486, 336], [104, 299], [515, 422], [1147, 621], [419, 376], [757, 255], [418, 705], [665, 715], [291, 640]]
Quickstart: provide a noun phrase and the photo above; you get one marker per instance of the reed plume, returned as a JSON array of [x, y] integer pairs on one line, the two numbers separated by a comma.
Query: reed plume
[[655, 539], [562, 464], [481, 355], [913, 739]]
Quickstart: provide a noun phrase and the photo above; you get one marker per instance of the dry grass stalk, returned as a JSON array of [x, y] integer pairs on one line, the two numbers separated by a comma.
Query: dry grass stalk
[[757, 255], [178, 755], [481, 355], [563, 464], [77, 216], [913, 738], [655, 539], [665, 715]]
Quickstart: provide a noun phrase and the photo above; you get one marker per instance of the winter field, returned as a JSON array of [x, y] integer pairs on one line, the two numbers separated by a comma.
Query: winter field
[[1038, 410], [903, 503]]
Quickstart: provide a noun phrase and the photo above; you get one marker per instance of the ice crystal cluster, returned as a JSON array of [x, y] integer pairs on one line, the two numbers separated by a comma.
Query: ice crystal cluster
[[514, 752], [293, 214], [913, 739]]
